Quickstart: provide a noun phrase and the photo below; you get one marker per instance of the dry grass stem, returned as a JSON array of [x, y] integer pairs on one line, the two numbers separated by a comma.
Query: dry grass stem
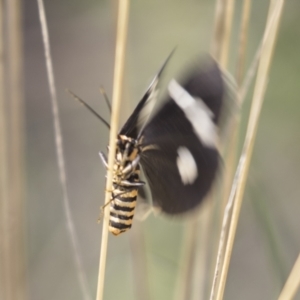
[[243, 167], [123, 11], [187, 259], [12, 259], [243, 41], [201, 266], [292, 284], [243, 89], [139, 263], [222, 240], [218, 30], [4, 199], [219, 50], [225, 46], [233, 136], [60, 154]]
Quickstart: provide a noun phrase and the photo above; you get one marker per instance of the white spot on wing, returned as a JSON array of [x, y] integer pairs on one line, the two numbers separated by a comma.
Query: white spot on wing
[[199, 115], [186, 165]]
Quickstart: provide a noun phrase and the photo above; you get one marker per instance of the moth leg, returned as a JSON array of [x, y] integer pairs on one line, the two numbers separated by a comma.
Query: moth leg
[[131, 166], [125, 154], [102, 210], [134, 185], [103, 159], [111, 200]]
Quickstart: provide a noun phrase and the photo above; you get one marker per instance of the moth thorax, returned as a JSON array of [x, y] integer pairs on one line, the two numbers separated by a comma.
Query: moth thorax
[[126, 160]]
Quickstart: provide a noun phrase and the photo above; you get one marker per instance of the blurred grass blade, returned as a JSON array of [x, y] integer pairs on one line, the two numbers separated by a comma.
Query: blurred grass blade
[[262, 214], [5, 273], [238, 188], [187, 260], [231, 151], [225, 46], [123, 11], [201, 270], [292, 284], [218, 31], [13, 282], [222, 31], [60, 154], [243, 38], [224, 12], [139, 262]]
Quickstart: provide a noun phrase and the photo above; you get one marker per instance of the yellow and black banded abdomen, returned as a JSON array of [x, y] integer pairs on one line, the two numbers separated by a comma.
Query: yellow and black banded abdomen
[[122, 210]]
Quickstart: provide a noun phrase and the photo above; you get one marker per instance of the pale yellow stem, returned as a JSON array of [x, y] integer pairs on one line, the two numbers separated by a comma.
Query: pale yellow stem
[[292, 284], [123, 11], [238, 188]]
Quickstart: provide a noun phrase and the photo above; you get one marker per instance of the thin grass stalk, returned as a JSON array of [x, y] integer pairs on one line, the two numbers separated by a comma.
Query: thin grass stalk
[[192, 274], [123, 12], [187, 258], [244, 88], [216, 48], [230, 159], [239, 75], [190, 233], [214, 231], [60, 155], [292, 284], [200, 278], [221, 38], [14, 209], [242, 172], [5, 290], [222, 35], [225, 46], [262, 215], [243, 38], [241, 96], [231, 156], [139, 263], [218, 31]]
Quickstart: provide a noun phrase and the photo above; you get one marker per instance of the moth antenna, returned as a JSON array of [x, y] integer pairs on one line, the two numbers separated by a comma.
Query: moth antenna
[[104, 94], [166, 61], [88, 107]]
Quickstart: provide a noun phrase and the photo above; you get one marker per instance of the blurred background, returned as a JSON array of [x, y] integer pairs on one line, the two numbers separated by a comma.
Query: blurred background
[[82, 36]]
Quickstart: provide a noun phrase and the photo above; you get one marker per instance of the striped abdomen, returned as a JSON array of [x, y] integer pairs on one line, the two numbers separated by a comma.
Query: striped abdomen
[[122, 209]]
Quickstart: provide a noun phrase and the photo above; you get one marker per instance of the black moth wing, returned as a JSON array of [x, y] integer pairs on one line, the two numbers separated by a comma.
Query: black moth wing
[[171, 135], [132, 127]]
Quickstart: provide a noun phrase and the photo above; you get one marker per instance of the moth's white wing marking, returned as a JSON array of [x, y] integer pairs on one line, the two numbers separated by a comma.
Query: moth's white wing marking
[[199, 115], [186, 165]]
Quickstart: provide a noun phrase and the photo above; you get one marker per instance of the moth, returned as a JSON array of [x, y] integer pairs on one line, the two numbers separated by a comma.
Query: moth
[[177, 147]]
